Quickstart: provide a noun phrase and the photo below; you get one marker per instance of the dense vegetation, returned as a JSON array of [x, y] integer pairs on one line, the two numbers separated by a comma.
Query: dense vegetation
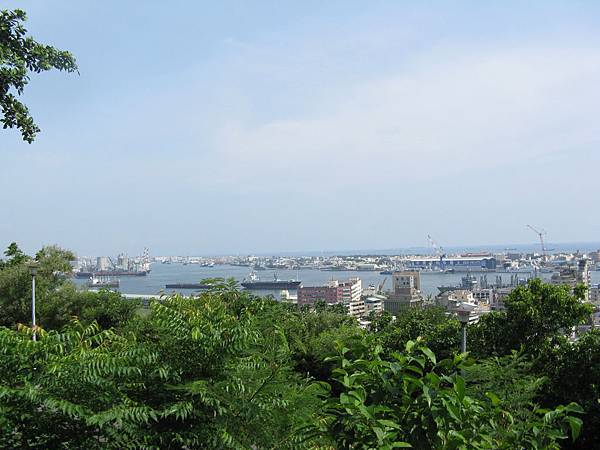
[[226, 369]]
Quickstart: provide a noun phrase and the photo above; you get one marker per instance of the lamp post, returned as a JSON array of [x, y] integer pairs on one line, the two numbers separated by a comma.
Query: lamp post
[[33, 266], [464, 314]]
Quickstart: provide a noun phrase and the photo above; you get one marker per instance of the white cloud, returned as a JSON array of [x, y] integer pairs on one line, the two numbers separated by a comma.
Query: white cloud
[[452, 109]]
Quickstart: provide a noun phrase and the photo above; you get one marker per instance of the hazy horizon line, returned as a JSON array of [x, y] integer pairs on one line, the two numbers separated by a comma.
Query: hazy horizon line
[[550, 246]]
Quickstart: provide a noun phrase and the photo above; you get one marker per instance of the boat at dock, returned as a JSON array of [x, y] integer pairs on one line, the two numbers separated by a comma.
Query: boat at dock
[[99, 282], [467, 283]]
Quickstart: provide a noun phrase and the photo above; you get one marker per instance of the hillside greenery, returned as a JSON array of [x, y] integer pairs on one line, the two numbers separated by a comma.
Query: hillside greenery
[[227, 369]]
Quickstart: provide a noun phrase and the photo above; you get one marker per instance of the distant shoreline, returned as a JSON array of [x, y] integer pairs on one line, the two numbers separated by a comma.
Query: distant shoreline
[[495, 248]]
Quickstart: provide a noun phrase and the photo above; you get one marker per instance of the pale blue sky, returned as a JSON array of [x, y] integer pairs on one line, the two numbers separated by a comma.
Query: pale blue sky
[[226, 127]]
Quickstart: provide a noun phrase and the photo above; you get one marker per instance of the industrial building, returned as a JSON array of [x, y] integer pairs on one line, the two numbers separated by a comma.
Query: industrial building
[[458, 263]]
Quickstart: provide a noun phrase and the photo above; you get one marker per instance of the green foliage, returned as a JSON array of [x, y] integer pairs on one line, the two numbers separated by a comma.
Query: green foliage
[[535, 314], [573, 370], [439, 332], [108, 308], [15, 256], [412, 401], [512, 380], [20, 55], [539, 311], [57, 298], [195, 375], [488, 337], [312, 334], [227, 369]]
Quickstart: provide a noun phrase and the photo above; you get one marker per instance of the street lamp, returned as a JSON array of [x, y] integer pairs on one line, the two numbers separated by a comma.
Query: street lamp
[[463, 311], [33, 267]]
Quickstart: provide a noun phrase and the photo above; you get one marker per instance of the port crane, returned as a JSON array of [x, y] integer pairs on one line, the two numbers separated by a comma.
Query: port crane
[[540, 234], [380, 287], [439, 251]]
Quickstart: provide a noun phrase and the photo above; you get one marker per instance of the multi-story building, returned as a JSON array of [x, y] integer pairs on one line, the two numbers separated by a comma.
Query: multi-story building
[[450, 299], [308, 295], [351, 296], [374, 304], [348, 293], [102, 263], [406, 291]]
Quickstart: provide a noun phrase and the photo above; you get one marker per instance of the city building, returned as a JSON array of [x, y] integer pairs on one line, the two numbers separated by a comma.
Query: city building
[[351, 296], [573, 275], [594, 295], [308, 295], [102, 263], [406, 291], [374, 304], [450, 299], [285, 296], [348, 293]]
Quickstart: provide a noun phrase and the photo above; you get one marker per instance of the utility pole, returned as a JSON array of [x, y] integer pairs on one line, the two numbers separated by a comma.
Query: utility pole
[[33, 271]]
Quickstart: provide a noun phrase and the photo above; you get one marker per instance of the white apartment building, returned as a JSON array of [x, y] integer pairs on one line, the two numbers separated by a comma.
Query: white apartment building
[[351, 295]]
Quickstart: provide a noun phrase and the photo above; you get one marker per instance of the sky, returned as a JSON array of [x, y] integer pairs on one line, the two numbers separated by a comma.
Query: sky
[[251, 127]]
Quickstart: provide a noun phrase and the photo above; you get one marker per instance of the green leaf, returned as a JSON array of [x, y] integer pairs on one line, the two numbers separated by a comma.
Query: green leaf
[[389, 423], [459, 387], [493, 397], [427, 352], [575, 424]]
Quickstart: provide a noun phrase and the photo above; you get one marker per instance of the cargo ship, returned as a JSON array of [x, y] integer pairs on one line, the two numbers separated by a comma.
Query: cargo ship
[[252, 282], [467, 283]]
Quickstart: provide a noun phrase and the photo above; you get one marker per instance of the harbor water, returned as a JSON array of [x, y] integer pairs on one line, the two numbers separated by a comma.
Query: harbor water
[[162, 274]]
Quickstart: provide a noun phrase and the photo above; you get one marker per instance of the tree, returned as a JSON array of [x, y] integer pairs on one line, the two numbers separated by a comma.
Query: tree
[[108, 308], [535, 314], [573, 370], [512, 379], [58, 299], [439, 332], [15, 256], [222, 370], [312, 334], [15, 281], [412, 400], [19, 56], [193, 375]]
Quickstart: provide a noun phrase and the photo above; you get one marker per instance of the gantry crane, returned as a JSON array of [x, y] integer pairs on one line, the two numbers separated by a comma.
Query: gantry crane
[[540, 234]]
